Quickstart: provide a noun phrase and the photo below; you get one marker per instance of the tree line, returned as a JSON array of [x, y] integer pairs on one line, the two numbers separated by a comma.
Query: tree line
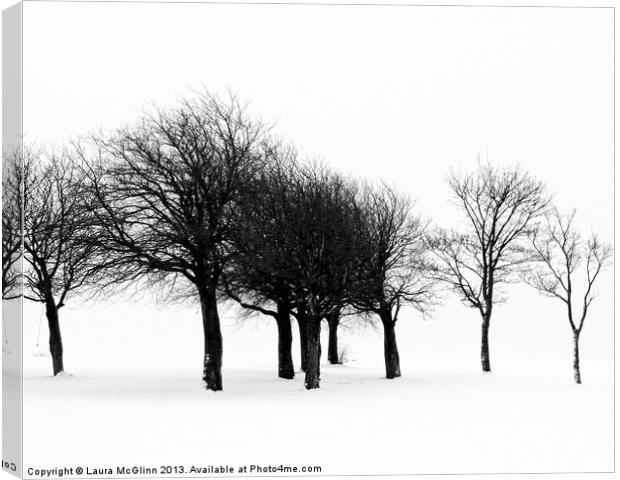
[[202, 202]]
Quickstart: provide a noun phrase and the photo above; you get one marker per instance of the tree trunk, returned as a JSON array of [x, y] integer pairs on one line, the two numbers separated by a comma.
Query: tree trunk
[[212, 367], [302, 322], [333, 321], [51, 312], [313, 365], [313, 348], [484, 350], [576, 370], [285, 342], [392, 359]]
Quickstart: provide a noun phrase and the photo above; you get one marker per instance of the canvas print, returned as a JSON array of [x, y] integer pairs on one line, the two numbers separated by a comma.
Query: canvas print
[[297, 239]]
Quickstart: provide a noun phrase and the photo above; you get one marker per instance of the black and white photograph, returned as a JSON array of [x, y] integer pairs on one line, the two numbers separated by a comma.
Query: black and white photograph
[[256, 239]]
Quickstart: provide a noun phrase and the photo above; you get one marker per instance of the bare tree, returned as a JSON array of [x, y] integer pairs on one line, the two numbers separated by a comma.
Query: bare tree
[[166, 192], [11, 225], [60, 259], [295, 249], [561, 251], [501, 206], [320, 228], [394, 268], [257, 277]]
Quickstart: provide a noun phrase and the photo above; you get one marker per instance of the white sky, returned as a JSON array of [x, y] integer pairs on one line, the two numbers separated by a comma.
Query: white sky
[[398, 92]]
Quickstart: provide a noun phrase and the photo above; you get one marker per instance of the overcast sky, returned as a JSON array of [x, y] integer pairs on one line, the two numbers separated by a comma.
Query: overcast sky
[[403, 93]]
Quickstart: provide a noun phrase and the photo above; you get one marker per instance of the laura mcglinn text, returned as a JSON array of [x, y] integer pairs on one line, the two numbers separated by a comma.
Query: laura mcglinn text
[[60, 472]]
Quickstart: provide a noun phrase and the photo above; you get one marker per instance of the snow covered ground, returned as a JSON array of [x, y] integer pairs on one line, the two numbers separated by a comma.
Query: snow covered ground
[[135, 396]]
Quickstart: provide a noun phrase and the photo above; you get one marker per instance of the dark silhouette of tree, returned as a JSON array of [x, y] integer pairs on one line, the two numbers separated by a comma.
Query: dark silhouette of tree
[[561, 251], [257, 277], [323, 227], [501, 206], [166, 193], [295, 248], [60, 261], [11, 225], [302, 243], [393, 263]]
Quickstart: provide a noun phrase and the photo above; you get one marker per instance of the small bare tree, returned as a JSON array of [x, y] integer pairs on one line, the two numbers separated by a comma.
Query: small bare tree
[[501, 206], [561, 251], [11, 225], [393, 268], [60, 259]]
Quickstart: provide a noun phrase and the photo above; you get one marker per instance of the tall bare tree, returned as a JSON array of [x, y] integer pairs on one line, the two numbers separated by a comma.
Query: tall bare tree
[[563, 254], [394, 267], [166, 193], [501, 206], [60, 260]]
